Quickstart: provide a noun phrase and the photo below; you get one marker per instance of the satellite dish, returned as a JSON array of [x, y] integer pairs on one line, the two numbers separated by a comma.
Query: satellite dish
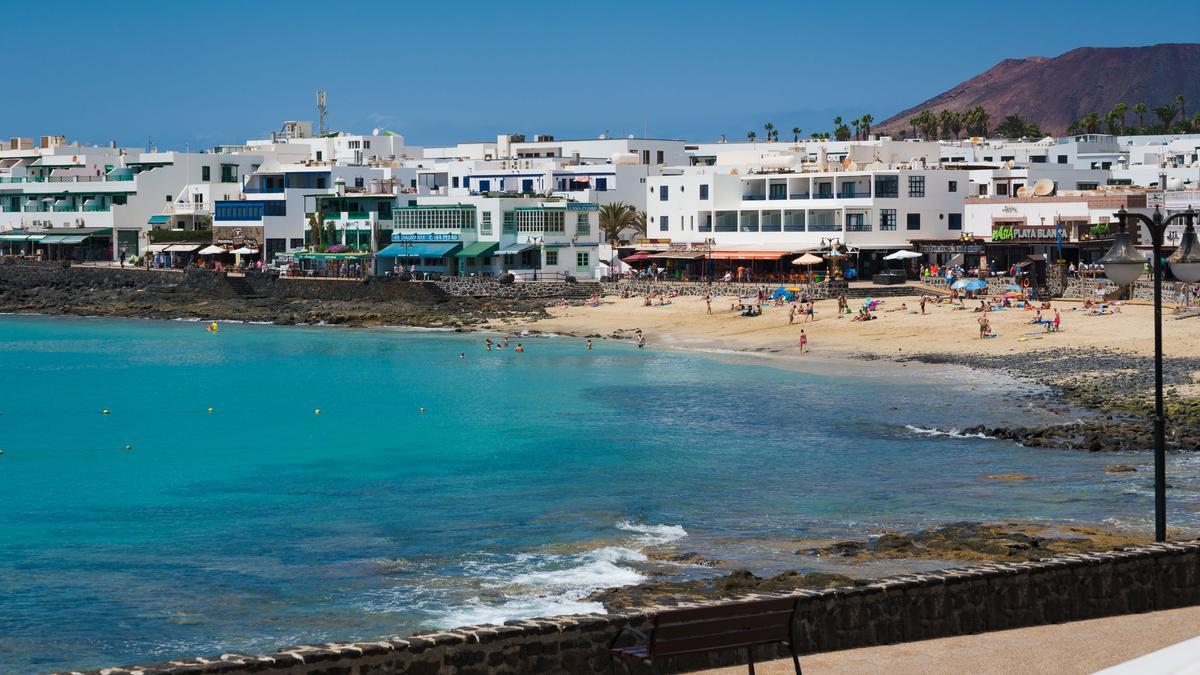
[[1044, 187], [1022, 191], [375, 131], [1009, 164]]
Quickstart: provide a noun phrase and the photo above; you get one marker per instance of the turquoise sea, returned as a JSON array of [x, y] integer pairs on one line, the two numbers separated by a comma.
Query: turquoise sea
[[528, 481]]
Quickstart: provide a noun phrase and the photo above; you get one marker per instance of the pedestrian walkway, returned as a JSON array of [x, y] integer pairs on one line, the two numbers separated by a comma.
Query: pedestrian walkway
[[1058, 649]]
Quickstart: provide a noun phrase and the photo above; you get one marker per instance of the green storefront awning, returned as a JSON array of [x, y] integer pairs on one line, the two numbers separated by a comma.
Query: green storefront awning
[[480, 249], [53, 239], [159, 220], [14, 237], [418, 250], [73, 239]]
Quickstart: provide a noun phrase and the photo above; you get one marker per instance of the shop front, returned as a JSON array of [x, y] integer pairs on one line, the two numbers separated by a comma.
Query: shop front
[[423, 254], [1072, 242]]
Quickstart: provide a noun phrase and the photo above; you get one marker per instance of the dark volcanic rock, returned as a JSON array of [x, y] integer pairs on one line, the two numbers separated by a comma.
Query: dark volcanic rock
[[736, 583]]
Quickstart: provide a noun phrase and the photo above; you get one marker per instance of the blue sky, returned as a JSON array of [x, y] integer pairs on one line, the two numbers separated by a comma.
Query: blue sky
[[214, 72]]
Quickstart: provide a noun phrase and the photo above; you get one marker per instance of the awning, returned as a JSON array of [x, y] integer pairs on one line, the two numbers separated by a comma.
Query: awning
[[53, 239], [480, 249], [157, 248], [418, 250], [14, 237], [679, 255], [1036, 257], [182, 248], [747, 255], [515, 249], [159, 220], [640, 256], [213, 250], [74, 239]]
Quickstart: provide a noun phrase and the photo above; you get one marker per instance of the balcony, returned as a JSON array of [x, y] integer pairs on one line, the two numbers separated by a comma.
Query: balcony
[[754, 198], [65, 179], [888, 194], [358, 215], [853, 194], [778, 195], [824, 227], [824, 195], [858, 227], [261, 190], [799, 195]]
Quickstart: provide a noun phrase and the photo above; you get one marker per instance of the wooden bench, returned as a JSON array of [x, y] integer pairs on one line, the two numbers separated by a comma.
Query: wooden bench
[[739, 625]]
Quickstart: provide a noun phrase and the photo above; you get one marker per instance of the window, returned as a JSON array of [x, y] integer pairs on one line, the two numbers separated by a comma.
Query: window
[[229, 173], [1008, 158], [1002, 189], [662, 224], [527, 185], [955, 221], [887, 186], [367, 144], [983, 190], [454, 181], [662, 193], [601, 184], [485, 222], [704, 192], [953, 187], [551, 257], [887, 219], [583, 224], [916, 186], [358, 181], [583, 259], [510, 223], [1037, 159], [318, 155], [320, 182], [914, 221], [205, 173], [1062, 159], [660, 157], [1086, 186], [168, 199]]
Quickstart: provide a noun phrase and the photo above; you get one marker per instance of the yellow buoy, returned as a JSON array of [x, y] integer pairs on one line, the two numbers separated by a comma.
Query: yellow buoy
[[210, 410], [104, 412], [317, 411], [128, 446], [422, 410]]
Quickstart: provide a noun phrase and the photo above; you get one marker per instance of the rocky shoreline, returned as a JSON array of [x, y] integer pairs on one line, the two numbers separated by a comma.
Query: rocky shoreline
[[948, 544], [1115, 389]]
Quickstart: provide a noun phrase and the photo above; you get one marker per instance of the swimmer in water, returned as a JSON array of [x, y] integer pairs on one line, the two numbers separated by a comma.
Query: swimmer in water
[[462, 355], [589, 344], [212, 327], [505, 341], [519, 348], [488, 344]]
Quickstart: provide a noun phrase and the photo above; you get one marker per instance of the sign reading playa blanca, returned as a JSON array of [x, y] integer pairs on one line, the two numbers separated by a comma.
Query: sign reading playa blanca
[[424, 236], [1019, 232]]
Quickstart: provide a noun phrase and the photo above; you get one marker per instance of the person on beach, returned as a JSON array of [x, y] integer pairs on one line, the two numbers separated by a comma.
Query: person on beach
[[641, 340], [808, 312], [792, 315], [708, 303], [985, 327], [1057, 321], [923, 298], [803, 341]]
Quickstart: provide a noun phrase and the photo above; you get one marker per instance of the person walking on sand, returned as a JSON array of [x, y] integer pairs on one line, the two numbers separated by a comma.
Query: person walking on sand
[[803, 341], [922, 304], [1057, 320], [792, 315], [985, 328], [808, 312], [708, 303]]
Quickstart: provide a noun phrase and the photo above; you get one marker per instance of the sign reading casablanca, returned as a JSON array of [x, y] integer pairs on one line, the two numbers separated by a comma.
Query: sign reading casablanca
[[1031, 233], [424, 236]]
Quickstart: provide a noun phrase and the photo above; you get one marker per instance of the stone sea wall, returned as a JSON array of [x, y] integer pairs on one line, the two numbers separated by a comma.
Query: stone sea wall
[[640, 287], [896, 609], [487, 287]]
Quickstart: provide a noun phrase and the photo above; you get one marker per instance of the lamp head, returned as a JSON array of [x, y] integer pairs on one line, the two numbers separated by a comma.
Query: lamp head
[[1185, 261], [1123, 264]]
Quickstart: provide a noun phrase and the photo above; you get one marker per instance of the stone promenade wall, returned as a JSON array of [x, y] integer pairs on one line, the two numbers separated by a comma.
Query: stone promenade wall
[[896, 609], [482, 286], [719, 288], [31, 274]]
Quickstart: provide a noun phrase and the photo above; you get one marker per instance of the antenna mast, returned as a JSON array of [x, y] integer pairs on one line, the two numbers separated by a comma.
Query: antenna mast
[[321, 112]]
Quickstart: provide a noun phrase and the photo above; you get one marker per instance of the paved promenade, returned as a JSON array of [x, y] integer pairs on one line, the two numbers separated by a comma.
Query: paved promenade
[[1060, 649]]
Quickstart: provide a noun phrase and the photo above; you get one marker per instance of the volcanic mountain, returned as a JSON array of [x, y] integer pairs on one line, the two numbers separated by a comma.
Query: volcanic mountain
[[1052, 92]]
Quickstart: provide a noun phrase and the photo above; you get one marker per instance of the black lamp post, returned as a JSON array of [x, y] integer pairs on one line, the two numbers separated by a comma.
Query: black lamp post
[[1123, 264]]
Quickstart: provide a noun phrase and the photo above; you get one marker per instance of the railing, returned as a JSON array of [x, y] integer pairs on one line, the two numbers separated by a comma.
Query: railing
[[778, 195], [754, 198], [824, 227], [799, 195], [261, 190], [358, 215], [853, 195], [823, 195], [858, 227], [890, 194], [65, 179], [98, 209]]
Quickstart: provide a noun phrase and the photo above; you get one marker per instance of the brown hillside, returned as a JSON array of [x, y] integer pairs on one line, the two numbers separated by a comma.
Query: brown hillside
[[1055, 91]]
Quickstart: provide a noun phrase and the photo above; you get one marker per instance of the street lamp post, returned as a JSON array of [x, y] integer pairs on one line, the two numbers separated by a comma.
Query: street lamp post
[[1123, 264]]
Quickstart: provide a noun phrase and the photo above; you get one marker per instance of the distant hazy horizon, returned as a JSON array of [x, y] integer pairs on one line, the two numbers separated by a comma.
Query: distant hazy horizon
[[221, 72]]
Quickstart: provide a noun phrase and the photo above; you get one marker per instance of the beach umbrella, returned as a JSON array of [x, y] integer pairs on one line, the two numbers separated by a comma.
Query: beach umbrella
[[902, 255], [212, 250], [969, 285], [245, 250], [807, 259]]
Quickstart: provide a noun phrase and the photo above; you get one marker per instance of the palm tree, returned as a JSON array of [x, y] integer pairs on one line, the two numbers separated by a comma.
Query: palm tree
[[769, 128], [615, 217], [1114, 123], [1165, 114], [1119, 110], [866, 121], [914, 122], [1182, 110], [1013, 127], [638, 222], [316, 226], [1090, 123], [857, 126], [796, 134], [984, 118], [1140, 109], [929, 124], [751, 135], [1073, 128], [1195, 121]]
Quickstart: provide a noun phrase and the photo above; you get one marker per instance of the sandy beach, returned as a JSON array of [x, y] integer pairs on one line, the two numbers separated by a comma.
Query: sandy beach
[[898, 330]]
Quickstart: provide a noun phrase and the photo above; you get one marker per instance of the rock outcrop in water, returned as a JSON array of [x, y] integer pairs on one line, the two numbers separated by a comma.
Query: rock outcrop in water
[[736, 583]]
